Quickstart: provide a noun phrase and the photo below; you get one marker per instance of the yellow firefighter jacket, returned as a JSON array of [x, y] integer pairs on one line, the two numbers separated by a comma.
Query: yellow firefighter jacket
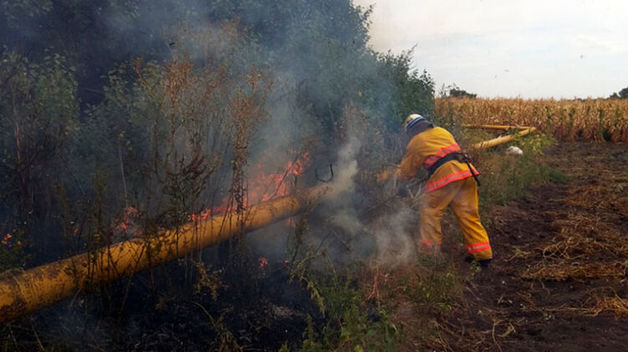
[[425, 149]]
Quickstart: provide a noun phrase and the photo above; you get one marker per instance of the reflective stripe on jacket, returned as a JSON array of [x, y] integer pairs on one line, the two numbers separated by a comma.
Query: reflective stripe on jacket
[[425, 149]]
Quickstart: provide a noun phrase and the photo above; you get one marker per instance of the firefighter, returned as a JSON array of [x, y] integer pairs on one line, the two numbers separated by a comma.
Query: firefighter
[[451, 182]]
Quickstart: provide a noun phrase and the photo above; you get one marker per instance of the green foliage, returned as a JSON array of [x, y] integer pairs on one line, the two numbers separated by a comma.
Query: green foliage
[[433, 285], [461, 93], [349, 326], [168, 131], [411, 92], [38, 104], [38, 119], [224, 341], [452, 90], [12, 253], [622, 94], [284, 347], [90, 134], [310, 339], [321, 46], [438, 290], [16, 10], [505, 178]]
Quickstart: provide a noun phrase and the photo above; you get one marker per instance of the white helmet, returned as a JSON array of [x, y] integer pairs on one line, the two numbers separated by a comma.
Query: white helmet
[[411, 120]]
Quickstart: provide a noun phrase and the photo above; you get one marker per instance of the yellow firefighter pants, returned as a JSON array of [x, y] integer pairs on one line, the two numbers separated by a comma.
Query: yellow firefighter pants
[[462, 196]]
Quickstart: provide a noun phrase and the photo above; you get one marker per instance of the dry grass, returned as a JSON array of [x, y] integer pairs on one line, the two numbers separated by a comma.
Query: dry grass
[[576, 271], [578, 256], [616, 305], [599, 119], [594, 306], [585, 248], [582, 236], [578, 239], [578, 247]]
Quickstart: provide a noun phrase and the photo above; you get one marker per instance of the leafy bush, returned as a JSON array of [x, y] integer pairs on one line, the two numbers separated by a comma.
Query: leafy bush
[[38, 119], [351, 324], [127, 116]]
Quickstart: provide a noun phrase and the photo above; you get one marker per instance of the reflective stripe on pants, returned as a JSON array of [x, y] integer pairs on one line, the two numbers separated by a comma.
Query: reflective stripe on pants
[[462, 196]]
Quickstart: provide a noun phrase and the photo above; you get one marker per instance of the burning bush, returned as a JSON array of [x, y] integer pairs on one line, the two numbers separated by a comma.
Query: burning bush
[[205, 108]]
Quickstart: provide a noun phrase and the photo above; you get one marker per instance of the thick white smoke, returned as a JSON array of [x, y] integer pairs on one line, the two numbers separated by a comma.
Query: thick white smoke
[[389, 231]]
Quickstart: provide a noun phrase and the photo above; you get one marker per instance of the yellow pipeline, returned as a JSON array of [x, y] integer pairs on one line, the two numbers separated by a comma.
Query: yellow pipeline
[[39, 287], [496, 127], [503, 139]]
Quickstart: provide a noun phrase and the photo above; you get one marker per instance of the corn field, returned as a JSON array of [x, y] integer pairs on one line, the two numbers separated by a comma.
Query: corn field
[[591, 119]]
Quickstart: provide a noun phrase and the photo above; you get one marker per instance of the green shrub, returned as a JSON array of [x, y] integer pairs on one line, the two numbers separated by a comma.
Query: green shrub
[[349, 325]]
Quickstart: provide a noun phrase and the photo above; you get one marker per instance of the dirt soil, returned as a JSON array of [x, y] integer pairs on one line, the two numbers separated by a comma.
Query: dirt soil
[[559, 278]]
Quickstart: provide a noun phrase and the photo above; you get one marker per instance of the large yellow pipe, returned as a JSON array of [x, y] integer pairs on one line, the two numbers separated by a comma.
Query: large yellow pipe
[[503, 139], [39, 287], [496, 127]]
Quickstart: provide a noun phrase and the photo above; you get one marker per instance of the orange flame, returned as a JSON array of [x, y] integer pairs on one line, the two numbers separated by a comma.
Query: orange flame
[[263, 262], [125, 223], [262, 186]]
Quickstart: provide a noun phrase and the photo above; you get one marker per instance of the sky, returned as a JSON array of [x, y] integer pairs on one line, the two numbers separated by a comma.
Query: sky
[[510, 48]]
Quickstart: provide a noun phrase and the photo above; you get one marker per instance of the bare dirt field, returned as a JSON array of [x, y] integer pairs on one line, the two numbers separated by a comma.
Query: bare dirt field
[[559, 278]]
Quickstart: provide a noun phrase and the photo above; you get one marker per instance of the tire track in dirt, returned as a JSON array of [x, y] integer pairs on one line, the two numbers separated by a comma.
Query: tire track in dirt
[[558, 282]]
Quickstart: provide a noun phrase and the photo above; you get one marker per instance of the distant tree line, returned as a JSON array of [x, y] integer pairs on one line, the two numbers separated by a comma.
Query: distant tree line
[[454, 91], [461, 93], [622, 94]]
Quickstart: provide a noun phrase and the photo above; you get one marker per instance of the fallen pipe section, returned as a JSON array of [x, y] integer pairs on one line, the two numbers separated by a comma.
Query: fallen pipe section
[[42, 286], [521, 131]]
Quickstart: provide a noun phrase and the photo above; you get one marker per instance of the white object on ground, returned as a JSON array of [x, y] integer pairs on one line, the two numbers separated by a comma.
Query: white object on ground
[[512, 150]]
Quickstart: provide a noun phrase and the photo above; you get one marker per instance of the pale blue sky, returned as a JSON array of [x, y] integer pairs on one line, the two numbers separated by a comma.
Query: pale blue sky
[[510, 48]]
